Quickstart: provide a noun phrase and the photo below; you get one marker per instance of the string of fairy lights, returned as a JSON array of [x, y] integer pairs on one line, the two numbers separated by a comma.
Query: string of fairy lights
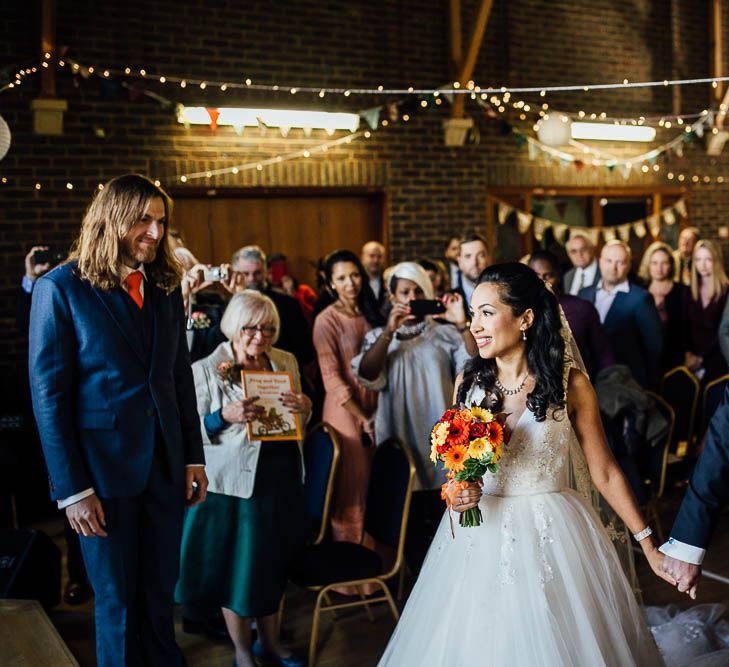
[[495, 101]]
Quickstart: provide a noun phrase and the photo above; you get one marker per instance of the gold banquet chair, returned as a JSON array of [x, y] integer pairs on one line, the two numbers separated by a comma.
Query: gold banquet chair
[[713, 393], [321, 459], [680, 389], [321, 568]]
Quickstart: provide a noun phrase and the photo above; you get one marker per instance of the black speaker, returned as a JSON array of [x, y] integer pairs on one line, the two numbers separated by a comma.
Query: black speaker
[[30, 567]]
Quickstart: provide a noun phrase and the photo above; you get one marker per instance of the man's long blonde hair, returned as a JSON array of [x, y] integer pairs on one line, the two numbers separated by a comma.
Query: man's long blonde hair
[[112, 213]]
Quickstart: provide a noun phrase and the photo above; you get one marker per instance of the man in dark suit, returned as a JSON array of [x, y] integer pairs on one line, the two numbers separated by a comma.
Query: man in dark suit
[[585, 271], [707, 494], [115, 403], [628, 314], [249, 272], [373, 259]]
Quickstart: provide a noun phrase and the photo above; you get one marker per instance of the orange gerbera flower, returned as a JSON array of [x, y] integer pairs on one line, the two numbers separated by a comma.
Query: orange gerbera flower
[[455, 457], [458, 432], [495, 433]]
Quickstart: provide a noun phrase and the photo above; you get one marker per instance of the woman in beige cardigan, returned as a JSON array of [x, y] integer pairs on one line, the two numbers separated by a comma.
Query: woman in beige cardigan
[[237, 545]]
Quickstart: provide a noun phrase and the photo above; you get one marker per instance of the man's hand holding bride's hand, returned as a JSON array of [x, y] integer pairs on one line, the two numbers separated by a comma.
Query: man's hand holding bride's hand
[[685, 575], [467, 497]]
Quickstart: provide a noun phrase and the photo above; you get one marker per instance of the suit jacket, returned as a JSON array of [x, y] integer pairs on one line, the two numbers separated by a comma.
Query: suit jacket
[[100, 396], [724, 332], [570, 276], [708, 489], [593, 343], [295, 336], [633, 327]]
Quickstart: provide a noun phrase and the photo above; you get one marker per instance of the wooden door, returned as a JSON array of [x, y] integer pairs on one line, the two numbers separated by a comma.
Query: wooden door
[[302, 228]]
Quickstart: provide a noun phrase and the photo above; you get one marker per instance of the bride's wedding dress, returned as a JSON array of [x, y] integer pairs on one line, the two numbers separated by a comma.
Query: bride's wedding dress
[[538, 584]]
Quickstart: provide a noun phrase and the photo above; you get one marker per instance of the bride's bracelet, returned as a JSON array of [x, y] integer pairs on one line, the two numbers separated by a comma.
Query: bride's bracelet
[[646, 532]]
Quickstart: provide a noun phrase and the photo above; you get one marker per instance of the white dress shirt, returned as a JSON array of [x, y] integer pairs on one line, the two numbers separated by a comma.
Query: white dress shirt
[[682, 551], [125, 271], [376, 285], [604, 298], [468, 289], [583, 277]]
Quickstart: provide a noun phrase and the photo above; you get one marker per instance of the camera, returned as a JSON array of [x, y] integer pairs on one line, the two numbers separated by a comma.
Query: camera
[[215, 274], [51, 257]]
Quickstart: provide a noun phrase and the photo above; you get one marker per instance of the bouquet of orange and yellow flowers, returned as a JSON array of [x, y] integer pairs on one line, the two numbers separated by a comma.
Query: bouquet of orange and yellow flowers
[[469, 442]]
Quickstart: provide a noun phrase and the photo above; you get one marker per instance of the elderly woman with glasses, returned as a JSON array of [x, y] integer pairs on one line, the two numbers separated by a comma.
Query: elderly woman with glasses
[[238, 544]]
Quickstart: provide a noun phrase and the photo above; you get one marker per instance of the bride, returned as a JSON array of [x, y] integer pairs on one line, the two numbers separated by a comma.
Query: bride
[[539, 582]]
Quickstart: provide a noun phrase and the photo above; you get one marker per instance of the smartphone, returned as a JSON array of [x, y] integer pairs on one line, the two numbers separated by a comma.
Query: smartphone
[[50, 256], [215, 274], [423, 307]]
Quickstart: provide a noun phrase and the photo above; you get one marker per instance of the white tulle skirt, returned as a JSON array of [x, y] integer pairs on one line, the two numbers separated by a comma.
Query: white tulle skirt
[[538, 584]]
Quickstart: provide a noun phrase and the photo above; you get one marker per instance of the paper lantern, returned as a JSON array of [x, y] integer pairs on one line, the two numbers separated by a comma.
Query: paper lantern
[[4, 138], [554, 131]]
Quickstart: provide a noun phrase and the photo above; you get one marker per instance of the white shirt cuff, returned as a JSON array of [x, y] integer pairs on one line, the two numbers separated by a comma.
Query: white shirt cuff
[[685, 552], [65, 502], [195, 465]]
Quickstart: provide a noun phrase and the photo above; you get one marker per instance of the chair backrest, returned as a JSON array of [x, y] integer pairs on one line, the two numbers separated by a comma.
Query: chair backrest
[[713, 393], [658, 463], [321, 457], [680, 389], [388, 501]]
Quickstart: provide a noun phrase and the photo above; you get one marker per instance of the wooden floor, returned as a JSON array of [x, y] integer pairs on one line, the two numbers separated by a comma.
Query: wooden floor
[[351, 640]]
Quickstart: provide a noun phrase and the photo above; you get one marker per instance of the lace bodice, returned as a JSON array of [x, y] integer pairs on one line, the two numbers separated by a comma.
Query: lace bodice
[[536, 460]]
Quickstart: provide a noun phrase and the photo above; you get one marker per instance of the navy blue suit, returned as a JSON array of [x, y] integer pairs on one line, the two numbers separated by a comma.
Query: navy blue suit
[[708, 489], [114, 400], [634, 328]]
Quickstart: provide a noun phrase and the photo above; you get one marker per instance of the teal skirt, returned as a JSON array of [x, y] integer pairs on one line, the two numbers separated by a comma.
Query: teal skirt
[[236, 552]]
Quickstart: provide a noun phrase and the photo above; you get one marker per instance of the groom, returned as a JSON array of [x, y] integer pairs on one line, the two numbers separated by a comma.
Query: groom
[[114, 399], [707, 493]]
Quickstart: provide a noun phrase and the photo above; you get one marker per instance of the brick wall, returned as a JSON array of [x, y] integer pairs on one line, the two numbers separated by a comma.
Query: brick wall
[[432, 191]]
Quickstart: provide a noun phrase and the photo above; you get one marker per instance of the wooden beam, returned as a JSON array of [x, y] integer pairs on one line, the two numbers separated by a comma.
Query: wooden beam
[[48, 45], [716, 49], [676, 55], [474, 46], [456, 39]]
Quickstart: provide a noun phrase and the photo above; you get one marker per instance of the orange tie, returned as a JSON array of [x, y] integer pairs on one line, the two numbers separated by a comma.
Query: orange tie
[[133, 281]]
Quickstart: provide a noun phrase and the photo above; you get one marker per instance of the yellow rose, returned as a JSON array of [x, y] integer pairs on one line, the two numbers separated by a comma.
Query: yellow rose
[[481, 414], [439, 434]]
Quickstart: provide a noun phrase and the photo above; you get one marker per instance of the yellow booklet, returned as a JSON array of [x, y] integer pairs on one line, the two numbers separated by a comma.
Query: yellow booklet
[[277, 421]]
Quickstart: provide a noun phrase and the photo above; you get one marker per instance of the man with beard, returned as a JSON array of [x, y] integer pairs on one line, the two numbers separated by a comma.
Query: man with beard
[[473, 258], [114, 400], [373, 260]]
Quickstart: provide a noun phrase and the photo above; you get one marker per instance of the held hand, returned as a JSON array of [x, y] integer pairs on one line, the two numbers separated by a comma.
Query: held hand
[[468, 497], [242, 412], [196, 485], [454, 309], [32, 270], [655, 560], [693, 361], [87, 517], [399, 315], [297, 403], [197, 276], [686, 575], [234, 284]]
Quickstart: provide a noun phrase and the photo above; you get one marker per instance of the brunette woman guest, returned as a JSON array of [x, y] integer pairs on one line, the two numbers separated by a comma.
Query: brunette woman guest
[[704, 308], [658, 270], [339, 332]]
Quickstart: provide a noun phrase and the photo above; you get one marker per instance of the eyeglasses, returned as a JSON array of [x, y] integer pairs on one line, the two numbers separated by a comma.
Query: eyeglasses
[[266, 332]]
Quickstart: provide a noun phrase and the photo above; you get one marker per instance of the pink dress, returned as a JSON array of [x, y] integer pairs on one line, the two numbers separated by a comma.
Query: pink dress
[[338, 339]]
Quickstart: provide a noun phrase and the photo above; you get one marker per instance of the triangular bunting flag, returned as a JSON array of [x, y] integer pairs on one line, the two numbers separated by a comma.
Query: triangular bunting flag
[[608, 233], [669, 216], [371, 117], [625, 169], [592, 234], [680, 208], [654, 224], [540, 226], [639, 229], [504, 212], [624, 232], [559, 230], [524, 221]]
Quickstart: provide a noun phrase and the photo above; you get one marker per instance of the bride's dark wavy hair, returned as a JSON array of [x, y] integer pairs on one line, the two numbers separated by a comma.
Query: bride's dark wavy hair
[[520, 288]]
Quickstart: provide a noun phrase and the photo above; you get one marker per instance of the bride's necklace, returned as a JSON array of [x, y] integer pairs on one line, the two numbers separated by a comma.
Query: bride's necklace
[[411, 330], [510, 392]]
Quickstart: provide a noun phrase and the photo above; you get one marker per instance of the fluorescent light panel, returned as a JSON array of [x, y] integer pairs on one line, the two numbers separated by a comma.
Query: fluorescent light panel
[[287, 118], [610, 132]]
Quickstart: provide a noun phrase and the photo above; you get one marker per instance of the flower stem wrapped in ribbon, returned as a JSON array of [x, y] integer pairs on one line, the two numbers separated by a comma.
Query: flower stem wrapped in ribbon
[[469, 442]]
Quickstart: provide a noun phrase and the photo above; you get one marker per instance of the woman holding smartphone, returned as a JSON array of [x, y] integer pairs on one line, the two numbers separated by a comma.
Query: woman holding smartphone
[[412, 362]]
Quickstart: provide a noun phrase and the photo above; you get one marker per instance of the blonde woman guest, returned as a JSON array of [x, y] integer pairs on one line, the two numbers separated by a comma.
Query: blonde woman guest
[[237, 546], [339, 331], [704, 308], [658, 270]]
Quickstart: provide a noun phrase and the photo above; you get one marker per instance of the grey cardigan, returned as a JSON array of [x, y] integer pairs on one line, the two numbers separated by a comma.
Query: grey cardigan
[[231, 458]]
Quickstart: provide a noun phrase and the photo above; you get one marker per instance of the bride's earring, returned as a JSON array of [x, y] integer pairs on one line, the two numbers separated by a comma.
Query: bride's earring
[[523, 335]]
